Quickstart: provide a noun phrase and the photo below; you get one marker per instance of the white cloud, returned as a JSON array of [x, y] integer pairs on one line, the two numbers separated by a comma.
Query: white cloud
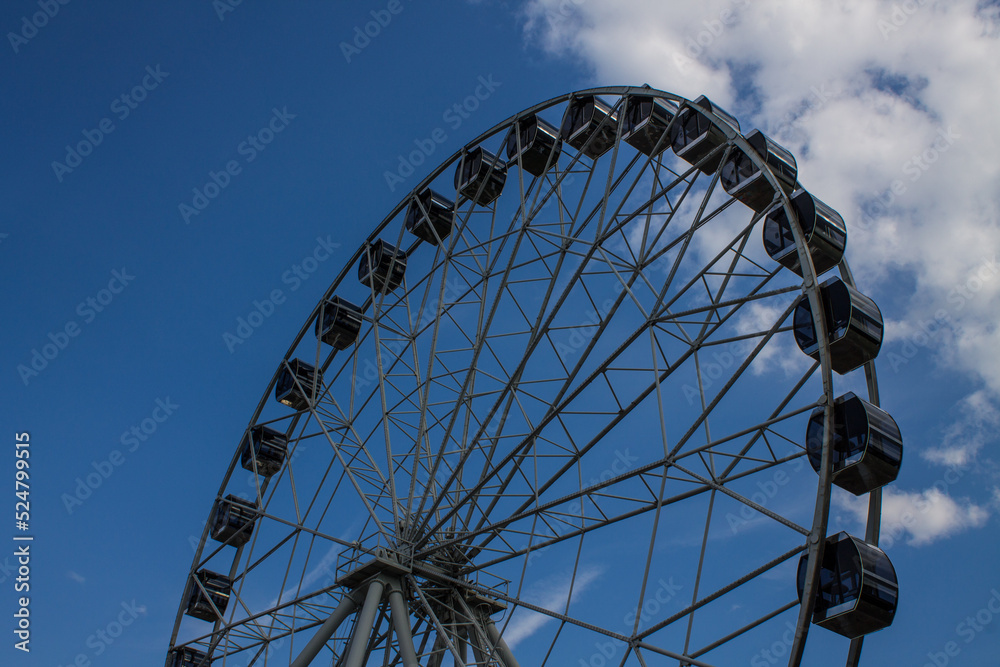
[[867, 100], [78, 578], [781, 351], [552, 595], [965, 438], [325, 568], [919, 517]]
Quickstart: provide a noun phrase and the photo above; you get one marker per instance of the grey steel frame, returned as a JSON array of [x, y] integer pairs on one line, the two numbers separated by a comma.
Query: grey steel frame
[[441, 513]]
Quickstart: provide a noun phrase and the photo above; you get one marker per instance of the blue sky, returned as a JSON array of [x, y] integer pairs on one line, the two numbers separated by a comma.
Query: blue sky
[[135, 299]]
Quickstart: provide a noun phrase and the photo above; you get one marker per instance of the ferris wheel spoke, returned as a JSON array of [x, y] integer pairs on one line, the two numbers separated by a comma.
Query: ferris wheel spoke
[[358, 473], [463, 397], [586, 524], [745, 629], [684, 659], [443, 310], [422, 440], [659, 378], [444, 636], [533, 331], [641, 471], [539, 330], [574, 279], [288, 618], [711, 597]]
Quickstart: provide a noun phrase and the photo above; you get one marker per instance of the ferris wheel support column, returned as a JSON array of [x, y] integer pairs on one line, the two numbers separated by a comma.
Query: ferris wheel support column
[[363, 627], [316, 644], [505, 653], [463, 644], [401, 624], [476, 642]]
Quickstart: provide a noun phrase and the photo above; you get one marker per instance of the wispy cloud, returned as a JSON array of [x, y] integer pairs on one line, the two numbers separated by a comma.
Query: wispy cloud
[[552, 594], [976, 427], [326, 567]]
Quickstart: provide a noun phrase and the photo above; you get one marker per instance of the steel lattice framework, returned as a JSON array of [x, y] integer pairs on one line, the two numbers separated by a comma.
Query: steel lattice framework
[[575, 429]]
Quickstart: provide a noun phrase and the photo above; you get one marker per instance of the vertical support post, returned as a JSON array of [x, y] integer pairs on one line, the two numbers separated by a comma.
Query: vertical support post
[[501, 646], [463, 652], [441, 629], [363, 626], [401, 624], [437, 652], [476, 641], [344, 609]]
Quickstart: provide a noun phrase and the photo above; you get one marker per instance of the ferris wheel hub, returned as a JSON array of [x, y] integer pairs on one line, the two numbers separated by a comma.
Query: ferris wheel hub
[[383, 562]]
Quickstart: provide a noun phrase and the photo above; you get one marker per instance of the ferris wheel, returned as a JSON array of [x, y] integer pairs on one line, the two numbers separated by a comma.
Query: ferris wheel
[[579, 398]]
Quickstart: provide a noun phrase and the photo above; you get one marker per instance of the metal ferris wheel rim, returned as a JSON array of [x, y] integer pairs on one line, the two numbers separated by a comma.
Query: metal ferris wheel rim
[[810, 289]]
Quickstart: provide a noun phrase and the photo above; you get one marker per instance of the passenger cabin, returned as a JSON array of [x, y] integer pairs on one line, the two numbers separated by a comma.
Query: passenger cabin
[[867, 447], [264, 448], [480, 176], [645, 122], [187, 657], [298, 384], [208, 600], [824, 232], [382, 267], [533, 143], [233, 521], [338, 323], [589, 125], [694, 136], [858, 590], [430, 216], [742, 179], [853, 324]]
